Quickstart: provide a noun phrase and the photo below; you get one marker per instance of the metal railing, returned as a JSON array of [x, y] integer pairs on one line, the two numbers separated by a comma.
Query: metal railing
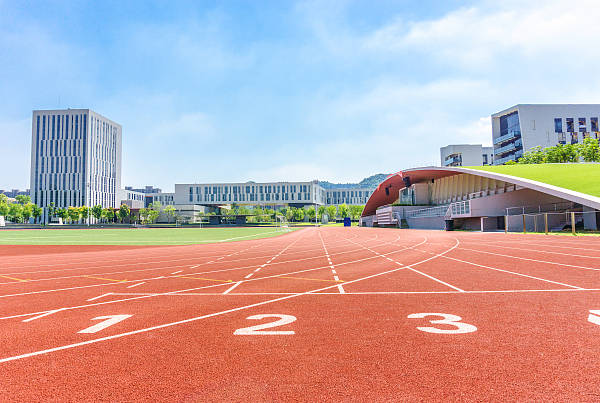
[[542, 208], [507, 137], [437, 211]]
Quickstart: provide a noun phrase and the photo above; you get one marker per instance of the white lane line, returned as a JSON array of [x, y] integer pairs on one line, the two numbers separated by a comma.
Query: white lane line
[[232, 287], [148, 329], [177, 272], [336, 278], [249, 275], [256, 270], [100, 296], [160, 268], [194, 266], [511, 272], [135, 285], [438, 280], [532, 260], [199, 294], [195, 288], [333, 271], [341, 289], [44, 314]]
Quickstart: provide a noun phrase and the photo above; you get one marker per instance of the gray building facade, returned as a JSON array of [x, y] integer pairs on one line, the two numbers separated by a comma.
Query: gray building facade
[[75, 159]]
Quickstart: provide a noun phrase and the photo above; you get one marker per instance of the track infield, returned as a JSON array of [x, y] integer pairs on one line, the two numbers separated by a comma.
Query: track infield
[[318, 314]]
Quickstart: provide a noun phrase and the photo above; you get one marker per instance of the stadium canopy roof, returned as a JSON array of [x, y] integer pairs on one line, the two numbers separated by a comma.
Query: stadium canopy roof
[[387, 191]]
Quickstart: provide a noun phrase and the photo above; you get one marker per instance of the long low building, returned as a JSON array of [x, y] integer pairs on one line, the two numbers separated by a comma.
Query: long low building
[[297, 194], [434, 198]]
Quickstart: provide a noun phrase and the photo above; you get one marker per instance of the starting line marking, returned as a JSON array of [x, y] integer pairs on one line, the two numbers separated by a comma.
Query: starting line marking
[[42, 315], [100, 296]]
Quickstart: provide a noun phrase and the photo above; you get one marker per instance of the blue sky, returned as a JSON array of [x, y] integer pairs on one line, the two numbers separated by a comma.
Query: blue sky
[[276, 90]]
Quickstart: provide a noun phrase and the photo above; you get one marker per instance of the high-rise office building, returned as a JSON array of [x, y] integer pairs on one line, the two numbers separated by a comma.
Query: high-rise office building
[[75, 159]]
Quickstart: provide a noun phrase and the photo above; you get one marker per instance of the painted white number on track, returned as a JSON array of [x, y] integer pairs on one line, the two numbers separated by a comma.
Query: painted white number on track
[[594, 316], [110, 320], [449, 319], [257, 330]]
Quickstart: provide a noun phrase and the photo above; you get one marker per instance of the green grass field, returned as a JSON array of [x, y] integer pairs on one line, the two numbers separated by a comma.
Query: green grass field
[[133, 236], [584, 178]]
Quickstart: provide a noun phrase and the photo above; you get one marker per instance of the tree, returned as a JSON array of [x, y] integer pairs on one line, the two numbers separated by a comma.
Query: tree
[[331, 212], [320, 212], [299, 214], [144, 215], [3, 207], [3, 198], [561, 153], [97, 212], [84, 212], [62, 213], [290, 213], [124, 212], [36, 211], [310, 212], [534, 156], [170, 212], [589, 150], [356, 211], [23, 199], [153, 215], [15, 211], [73, 213], [343, 210], [27, 211], [108, 214]]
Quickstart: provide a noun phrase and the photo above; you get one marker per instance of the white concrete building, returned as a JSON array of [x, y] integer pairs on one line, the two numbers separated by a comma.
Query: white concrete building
[[458, 155], [75, 159], [267, 193], [250, 193], [520, 128], [354, 196]]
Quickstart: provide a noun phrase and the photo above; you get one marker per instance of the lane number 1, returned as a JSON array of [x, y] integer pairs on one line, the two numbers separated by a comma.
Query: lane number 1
[[594, 316], [109, 321], [448, 319]]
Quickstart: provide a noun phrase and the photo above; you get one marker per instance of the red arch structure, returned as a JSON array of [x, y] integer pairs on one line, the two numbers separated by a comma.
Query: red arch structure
[[387, 191]]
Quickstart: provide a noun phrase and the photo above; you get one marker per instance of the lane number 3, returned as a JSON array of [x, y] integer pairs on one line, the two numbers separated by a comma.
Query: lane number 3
[[448, 319], [258, 329]]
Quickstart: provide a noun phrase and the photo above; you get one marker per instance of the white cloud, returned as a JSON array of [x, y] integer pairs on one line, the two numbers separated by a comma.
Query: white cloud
[[501, 33]]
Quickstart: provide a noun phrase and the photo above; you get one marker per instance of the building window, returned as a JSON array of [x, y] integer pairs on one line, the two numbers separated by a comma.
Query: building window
[[570, 125], [485, 159], [594, 124], [558, 125], [582, 125]]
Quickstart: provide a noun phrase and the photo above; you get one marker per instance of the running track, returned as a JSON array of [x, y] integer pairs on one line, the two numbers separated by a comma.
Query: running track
[[358, 314]]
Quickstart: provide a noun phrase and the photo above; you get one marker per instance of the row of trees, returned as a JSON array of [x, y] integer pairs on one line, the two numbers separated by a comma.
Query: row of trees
[[21, 211], [588, 151], [259, 214]]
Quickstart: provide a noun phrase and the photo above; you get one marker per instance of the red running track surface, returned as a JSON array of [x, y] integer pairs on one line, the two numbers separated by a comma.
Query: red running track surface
[[362, 314]]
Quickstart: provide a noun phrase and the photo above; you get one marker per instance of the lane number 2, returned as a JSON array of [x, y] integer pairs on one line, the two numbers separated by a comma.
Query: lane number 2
[[109, 321], [258, 329], [448, 319]]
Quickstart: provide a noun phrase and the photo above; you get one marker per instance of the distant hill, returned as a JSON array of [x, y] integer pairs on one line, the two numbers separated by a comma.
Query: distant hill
[[370, 182]]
